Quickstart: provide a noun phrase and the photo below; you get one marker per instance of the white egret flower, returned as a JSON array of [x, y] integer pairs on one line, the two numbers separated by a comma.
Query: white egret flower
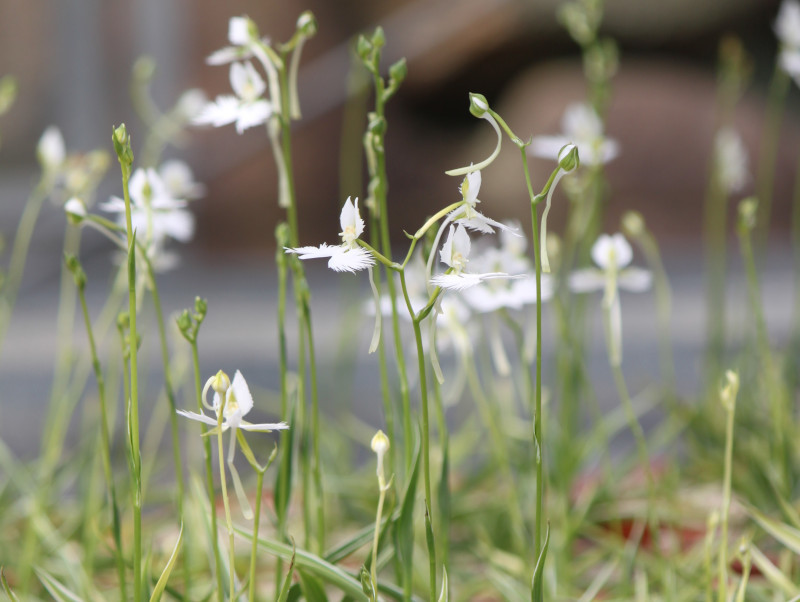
[[348, 256], [154, 211], [247, 108], [455, 254], [497, 293], [612, 254], [583, 127], [467, 215], [787, 28], [179, 180], [731, 160], [51, 150], [237, 403], [243, 36]]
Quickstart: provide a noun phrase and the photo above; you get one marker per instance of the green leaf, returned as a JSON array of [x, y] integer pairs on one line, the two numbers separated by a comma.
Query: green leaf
[[312, 589], [6, 587], [287, 582], [773, 574], [787, 535], [404, 526], [537, 584], [445, 594], [162, 581], [444, 503], [295, 593], [59, 592]]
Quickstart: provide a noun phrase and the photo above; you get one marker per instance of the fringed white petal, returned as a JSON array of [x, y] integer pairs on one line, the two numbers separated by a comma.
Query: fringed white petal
[[350, 260]]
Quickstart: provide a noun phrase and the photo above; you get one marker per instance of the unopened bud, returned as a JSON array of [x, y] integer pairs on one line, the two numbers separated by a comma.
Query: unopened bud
[[75, 210], [398, 72], [220, 383], [307, 24], [122, 145], [747, 213], [568, 159], [730, 390], [633, 224], [478, 105]]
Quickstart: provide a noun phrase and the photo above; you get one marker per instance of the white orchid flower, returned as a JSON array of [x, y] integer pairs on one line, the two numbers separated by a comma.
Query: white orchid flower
[[731, 160], [612, 254], [243, 36], [348, 256], [787, 28], [233, 400], [51, 150], [582, 126], [179, 180], [455, 254], [247, 108], [155, 213], [468, 215]]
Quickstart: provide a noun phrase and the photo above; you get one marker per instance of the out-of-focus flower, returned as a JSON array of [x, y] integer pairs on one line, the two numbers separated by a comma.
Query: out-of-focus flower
[[243, 36], [582, 126], [787, 28], [497, 293], [155, 213], [455, 254], [468, 215], [179, 180], [731, 160], [75, 210], [348, 256], [247, 108], [612, 254], [50, 150]]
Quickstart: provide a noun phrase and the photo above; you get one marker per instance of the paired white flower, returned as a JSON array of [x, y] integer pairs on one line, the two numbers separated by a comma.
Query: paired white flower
[[612, 254], [787, 28], [455, 254], [232, 402], [348, 256], [246, 109], [731, 160], [468, 215], [581, 126], [237, 404]]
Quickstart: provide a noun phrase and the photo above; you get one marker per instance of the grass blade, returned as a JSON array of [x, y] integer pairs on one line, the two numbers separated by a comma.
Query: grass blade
[[59, 592], [162, 580], [538, 572]]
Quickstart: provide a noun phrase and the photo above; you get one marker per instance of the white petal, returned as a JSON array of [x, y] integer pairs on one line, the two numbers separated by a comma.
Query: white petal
[[586, 280], [198, 417], [470, 187], [350, 260], [238, 31], [113, 205], [51, 150], [226, 55], [252, 114], [222, 111], [264, 427], [242, 393], [246, 82], [462, 281], [547, 147], [635, 280], [612, 248], [324, 250]]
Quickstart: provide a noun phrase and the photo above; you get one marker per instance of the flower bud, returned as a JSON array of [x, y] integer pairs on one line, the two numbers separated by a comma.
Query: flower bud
[[478, 105], [380, 443], [8, 92], [363, 48], [200, 308], [379, 37], [184, 322], [633, 224], [122, 145], [220, 383], [568, 159], [50, 150], [307, 24], [730, 390], [747, 213], [75, 210], [398, 72], [74, 267], [123, 320], [144, 68]]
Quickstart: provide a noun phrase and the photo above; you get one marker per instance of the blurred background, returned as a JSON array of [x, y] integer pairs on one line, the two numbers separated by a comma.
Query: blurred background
[[73, 60]]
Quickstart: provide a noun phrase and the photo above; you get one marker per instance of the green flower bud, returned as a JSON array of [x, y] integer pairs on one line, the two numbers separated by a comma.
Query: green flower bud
[[122, 145], [363, 48], [747, 213], [568, 159], [144, 68], [478, 105], [307, 24], [75, 210], [123, 320], [200, 308], [220, 383], [282, 236], [377, 125], [184, 321], [366, 583], [398, 72], [633, 224], [379, 37]]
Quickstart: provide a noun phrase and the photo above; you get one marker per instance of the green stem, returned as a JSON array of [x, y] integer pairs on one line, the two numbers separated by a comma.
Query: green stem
[[134, 394], [256, 522], [198, 387], [225, 502], [105, 447], [722, 589]]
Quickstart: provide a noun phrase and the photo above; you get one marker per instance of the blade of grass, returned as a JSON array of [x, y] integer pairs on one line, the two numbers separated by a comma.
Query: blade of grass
[[162, 581]]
